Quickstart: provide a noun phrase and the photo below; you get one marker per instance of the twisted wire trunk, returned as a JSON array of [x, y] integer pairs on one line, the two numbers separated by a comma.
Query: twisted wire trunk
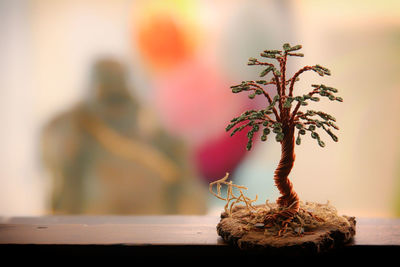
[[289, 199]]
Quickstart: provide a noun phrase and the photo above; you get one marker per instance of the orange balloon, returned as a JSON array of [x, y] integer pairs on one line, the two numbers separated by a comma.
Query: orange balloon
[[162, 42]]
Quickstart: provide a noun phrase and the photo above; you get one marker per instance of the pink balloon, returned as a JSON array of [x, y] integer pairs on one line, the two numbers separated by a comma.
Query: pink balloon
[[195, 103]]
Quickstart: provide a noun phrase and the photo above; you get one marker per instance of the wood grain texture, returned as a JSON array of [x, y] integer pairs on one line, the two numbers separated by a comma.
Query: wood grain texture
[[155, 230]]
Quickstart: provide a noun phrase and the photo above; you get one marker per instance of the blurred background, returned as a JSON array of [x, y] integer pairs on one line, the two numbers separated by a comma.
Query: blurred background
[[120, 107]]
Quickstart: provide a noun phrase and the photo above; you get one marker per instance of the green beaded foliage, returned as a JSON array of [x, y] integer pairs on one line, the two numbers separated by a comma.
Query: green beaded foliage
[[282, 110]]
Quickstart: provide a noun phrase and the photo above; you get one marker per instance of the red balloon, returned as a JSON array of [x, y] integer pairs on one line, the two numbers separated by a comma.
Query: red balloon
[[215, 158]]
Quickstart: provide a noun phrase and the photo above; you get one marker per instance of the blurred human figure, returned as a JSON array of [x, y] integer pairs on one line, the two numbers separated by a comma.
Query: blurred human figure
[[106, 156]]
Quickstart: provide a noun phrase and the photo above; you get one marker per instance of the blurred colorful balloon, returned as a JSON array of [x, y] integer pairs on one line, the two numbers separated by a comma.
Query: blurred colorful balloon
[[162, 42], [166, 33], [191, 94], [216, 157], [195, 103]]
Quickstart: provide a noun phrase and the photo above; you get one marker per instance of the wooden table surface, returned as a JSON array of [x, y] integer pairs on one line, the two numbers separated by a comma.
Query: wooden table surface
[[158, 232]]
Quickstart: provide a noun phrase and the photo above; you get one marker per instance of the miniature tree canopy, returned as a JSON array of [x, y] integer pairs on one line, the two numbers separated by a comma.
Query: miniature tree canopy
[[283, 117], [302, 227]]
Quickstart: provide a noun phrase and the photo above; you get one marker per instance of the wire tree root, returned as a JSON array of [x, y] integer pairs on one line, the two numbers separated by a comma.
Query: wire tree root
[[315, 228]]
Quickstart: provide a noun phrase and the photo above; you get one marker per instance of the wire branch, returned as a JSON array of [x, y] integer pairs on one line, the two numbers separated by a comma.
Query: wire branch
[[295, 112], [282, 62], [268, 97], [295, 76], [277, 82], [263, 91]]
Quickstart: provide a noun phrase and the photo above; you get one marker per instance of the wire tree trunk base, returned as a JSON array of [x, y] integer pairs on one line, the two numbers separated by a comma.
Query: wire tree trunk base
[[315, 228]]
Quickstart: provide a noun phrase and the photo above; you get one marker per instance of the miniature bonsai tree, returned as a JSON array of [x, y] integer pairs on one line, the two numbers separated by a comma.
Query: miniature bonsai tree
[[283, 117]]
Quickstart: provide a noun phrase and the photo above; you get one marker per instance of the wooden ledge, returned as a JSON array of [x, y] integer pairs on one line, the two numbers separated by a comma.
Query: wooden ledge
[[161, 235]]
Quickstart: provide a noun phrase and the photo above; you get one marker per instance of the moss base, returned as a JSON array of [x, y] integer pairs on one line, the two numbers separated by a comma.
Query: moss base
[[315, 228]]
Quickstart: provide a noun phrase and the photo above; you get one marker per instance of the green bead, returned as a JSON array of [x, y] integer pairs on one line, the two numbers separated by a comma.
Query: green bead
[[294, 48], [297, 54], [266, 71], [298, 141], [261, 82], [272, 51], [268, 55], [321, 143], [334, 90], [277, 72], [279, 137], [248, 147], [315, 135], [287, 104], [286, 47], [277, 130], [229, 127]]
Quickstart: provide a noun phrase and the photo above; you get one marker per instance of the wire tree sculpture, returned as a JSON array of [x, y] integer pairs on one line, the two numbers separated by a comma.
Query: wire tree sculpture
[[282, 116]]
